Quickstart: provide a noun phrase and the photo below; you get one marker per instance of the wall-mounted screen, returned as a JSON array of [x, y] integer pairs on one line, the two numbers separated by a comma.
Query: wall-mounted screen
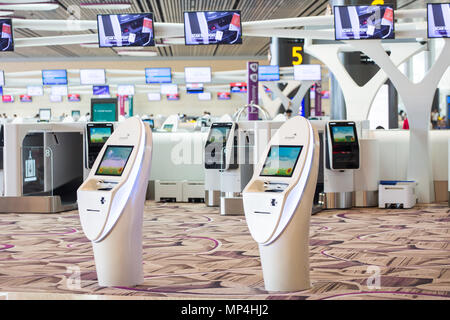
[[26, 98], [100, 90], [125, 30], [169, 88], [307, 72], [268, 73], [212, 27], [6, 36], [173, 97], [55, 99], [7, 98], [45, 114], [438, 15], [35, 91], [364, 22], [238, 87], [153, 96], [194, 87], [223, 95], [104, 110], [59, 90], [54, 77], [125, 90], [204, 96], [92, 76], [2, 78], [158, 75], [281, 161], [73, 97], [197, 74], [99, 135], [114, 160]]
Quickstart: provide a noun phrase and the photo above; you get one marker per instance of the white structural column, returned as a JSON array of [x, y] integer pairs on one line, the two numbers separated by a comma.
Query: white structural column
[[358, 99], [417, 98]]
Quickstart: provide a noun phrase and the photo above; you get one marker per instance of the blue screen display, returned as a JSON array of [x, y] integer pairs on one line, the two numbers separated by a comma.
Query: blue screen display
[[158, 75], [100, 90], [54, 77], [269, 73]]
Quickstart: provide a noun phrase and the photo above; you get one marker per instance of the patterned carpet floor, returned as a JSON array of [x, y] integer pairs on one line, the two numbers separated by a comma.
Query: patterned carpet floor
[[192, 252]]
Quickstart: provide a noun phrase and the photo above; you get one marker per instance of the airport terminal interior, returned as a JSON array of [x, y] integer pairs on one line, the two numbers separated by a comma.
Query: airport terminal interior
[[237, 149]]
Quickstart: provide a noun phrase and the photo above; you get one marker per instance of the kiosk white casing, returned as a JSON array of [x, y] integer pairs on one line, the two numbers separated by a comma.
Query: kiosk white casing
[[279, 221], [111, 207]]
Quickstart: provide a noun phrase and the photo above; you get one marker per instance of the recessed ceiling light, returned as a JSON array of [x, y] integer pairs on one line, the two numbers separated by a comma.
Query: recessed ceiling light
[[26, 6], [106, 6], [6, 12], [138, 53]]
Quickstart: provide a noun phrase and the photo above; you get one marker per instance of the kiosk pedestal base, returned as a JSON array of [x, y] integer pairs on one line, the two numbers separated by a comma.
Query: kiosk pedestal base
[[231, 206], [339, 200], [366, 198], [285, 262], [35, 204], [212, 198]]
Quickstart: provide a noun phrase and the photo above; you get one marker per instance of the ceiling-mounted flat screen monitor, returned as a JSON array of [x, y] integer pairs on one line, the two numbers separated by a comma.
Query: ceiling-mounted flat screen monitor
[[204, 96], [194, 87], [55, 99], [59, 90], [1, 91], [197, 74], [7, 98], [153, 96], [2, 78], [173, 97], [100, 90], [238, 87], [158, 75], [364, 22], [281, 161], [212, 27], [35, 91], [125, 90], [45, 114], [307, 72], [54, 77], [114, 160], [26, 98], [6, 36], [438, 16], [104, 110], [171, 88], [223, 95], [268, 73], [92, 76], [125, 30], [73, 97]]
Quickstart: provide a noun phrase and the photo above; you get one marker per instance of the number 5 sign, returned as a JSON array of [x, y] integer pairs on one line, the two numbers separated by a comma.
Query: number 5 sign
[[296, 54]]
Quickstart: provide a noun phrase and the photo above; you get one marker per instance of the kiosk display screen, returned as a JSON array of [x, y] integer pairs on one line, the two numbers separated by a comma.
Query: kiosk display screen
[[281, 161], [114, 160], [168, 127], [99, 134], [45, 114], [363, 22], [125, 30], [150, 122], [345, 147], [212, 27], [215, 145], [438, 20], [54, 77], [158, 75], [6, 35], [343, 134]]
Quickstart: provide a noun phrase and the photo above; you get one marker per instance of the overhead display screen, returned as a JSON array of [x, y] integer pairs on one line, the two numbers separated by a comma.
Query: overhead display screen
[[153, 96], [104, 111], [2, 78], [223, 95], [54, 98], [212, 27], [364, 22], [197, 74], [54, 77], [169, 89], [99, 134], [26, 98], [73, 97], [158, 75], [238, 87], [35, 90], [204, 96], [269, 73], [7, 98], [438, 20], [343, 134], [281, 161], [92, 76], [307, 72], [173, 97], [100, 90], [59, 90], [194, 87], [125, 30], [125, 90], [6, 36], [114, 160]]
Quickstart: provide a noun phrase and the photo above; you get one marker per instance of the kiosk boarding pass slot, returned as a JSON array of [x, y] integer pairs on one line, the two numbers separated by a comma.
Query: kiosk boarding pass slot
[[342, 146], [220, 146]]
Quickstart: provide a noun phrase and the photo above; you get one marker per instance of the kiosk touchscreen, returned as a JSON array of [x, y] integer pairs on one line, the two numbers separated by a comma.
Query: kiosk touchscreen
[[278, 202], [342, 146], [111, 203], [45, 115], [97, 135], [220, 146]]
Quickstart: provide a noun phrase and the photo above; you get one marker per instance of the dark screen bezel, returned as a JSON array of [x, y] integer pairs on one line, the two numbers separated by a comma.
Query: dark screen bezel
[[344, 124]]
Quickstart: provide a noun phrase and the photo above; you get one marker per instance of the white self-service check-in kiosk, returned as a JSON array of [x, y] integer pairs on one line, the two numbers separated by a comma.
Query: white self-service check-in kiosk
[[111, 203], [278, 202]]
